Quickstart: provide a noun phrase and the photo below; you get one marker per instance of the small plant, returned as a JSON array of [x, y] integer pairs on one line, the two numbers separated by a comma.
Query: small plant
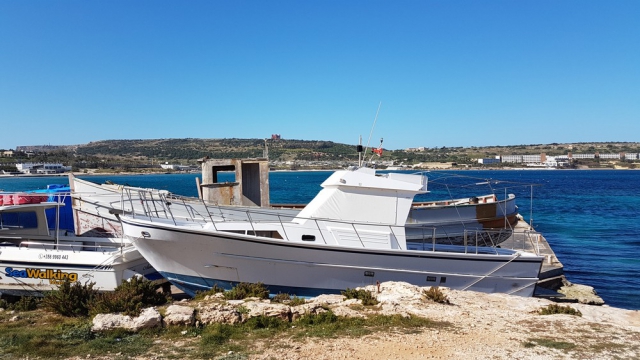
[[25, 303], [295, 301], [128, 298], [244, 290], [558, 309], [549, 343], [323, 318], [367, 298], [287, 299], [242, 310], [436, 295], [200, 295], [282, 298], [81, 331], [70, 300]]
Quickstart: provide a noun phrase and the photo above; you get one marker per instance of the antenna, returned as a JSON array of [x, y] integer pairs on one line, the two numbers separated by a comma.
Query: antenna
[[359, 150], [376, 151], [374, 125]]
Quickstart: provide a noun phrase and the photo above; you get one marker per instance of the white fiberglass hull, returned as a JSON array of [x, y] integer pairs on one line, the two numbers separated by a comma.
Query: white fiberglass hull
[[195, 259], [33, 270]]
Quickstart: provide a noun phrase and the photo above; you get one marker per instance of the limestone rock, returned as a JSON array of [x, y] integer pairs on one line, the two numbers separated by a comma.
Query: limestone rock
[[257, 308], [327, 299], [306, 309], [148, 318], [396, 292], [180, 315], [216, 296], [346, 311], [103, 322], [581, 293], [218, 313]]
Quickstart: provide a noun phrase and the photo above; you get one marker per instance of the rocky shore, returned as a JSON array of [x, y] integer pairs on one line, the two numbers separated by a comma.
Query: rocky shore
[[479, 326]]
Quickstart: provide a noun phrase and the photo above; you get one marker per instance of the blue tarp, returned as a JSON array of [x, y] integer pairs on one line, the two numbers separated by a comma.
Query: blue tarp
[[59, 193]]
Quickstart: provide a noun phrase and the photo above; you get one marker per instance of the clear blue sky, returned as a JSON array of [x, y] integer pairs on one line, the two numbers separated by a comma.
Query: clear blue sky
[[448, 73]]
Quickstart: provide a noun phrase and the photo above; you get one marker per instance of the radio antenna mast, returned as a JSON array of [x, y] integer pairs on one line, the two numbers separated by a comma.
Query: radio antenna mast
[[372, 127]]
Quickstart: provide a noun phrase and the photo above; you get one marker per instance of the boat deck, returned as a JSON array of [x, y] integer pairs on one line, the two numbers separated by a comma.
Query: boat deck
[[552, 268]]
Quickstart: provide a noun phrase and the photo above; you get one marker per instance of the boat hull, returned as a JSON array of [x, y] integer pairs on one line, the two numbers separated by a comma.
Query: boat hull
[[32, 271], [195, 259]]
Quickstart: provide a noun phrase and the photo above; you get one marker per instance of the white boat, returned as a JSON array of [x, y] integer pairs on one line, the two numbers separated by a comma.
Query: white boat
[[492, 219], [450, 220], [351, 234], [35, 258]]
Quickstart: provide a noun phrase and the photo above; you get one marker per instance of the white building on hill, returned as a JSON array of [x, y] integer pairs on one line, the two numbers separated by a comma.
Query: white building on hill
[[42, 168]]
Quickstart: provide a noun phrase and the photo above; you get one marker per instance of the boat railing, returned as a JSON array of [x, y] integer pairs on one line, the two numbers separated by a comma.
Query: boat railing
[[158, 204], [76, 247], [430, 238], [524, 240]]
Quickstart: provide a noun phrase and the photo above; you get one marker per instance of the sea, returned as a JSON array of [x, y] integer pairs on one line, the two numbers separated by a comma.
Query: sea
[[591, 218]]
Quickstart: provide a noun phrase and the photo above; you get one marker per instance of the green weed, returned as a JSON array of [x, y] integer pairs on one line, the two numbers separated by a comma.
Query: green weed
[[71, 299], [129, 298], [436, 295], [558, 309], [550, 343], [24, 303], [287, 299], [244, 290], [200, 295], [367, 298]]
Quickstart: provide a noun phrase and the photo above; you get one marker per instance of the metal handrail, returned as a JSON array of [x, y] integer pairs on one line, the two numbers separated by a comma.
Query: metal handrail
[[255, 216], [73, 247]]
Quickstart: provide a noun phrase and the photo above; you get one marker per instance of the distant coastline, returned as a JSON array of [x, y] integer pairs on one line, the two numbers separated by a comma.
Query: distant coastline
[[130, 173]]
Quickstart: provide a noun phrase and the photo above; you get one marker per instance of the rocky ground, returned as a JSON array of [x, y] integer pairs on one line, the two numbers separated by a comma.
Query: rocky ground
[[484, 326], [479, 326]]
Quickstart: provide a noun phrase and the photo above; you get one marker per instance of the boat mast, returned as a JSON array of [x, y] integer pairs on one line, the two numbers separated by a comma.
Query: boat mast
[[359, 150], [371, 132]]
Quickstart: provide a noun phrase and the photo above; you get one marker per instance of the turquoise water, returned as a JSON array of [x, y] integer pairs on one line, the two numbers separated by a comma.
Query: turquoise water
[[590, 218]]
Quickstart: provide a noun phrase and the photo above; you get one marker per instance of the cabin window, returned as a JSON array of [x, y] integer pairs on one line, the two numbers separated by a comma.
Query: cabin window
[[431, 278], [19, 220], [443, 280], [267, 234], [308, 238], [369, 273]]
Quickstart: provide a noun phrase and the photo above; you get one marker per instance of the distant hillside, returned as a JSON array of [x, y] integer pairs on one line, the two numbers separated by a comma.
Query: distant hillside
[[192, 149], [126, 154]]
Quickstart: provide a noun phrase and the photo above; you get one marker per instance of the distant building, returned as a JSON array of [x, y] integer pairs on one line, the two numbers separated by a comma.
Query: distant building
[[609, 156], [555, 161], [532, 159], [275, 137], [633, 156], [42, 168], [511, 158], [168, 166], [7, 153], [582, 156], [489, 161]]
